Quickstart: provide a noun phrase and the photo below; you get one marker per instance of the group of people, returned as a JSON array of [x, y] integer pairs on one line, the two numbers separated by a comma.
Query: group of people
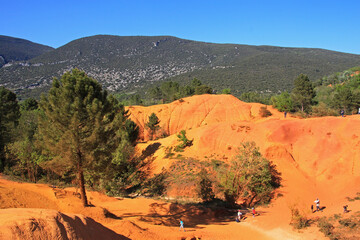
[[240, 214], [317, 204]]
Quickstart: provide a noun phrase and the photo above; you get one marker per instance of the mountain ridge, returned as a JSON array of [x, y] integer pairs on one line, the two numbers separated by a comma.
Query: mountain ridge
[[131, 63], [17, 49]]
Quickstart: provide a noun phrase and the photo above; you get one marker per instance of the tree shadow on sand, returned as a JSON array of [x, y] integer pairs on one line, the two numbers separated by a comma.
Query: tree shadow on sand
[[169, 214], [150, 150]]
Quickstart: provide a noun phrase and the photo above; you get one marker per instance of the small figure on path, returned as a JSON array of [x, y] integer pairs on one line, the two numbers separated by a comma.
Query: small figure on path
[[345, 208], [317, 202], [181, 225], [285, 112], [239, 216], [312, 208], [253, 212], [342, 112]]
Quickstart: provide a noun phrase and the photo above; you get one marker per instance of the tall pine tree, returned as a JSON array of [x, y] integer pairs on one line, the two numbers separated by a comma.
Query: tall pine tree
[[81, 128], [152, 125], [303, 92], [9, 115]]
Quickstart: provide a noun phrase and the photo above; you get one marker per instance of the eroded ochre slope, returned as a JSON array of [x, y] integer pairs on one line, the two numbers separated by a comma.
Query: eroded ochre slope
[[317, 157]]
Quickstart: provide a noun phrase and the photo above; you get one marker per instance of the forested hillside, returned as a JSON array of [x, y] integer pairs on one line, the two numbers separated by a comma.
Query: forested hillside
[[128, 64], [16, 49]]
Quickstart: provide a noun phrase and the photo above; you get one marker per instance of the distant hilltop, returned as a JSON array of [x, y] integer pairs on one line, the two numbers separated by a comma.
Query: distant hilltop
[[136, 62], [16, 49]]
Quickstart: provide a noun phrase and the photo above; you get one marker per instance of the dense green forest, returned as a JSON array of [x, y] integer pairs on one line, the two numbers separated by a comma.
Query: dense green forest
[[326, 96]]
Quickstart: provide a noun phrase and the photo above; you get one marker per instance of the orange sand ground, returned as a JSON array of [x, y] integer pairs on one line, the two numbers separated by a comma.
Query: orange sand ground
[[318, 157]]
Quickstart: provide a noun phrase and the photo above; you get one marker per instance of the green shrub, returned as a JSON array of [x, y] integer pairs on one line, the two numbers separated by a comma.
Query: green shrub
[[184, 141], [205, 189], [348, 223], [168, 152], [325, 227], [264, 112], [156, 185], [298, 220], [250, 177]]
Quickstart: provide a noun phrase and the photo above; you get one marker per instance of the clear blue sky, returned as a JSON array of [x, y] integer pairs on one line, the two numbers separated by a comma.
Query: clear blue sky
[[330, 24]]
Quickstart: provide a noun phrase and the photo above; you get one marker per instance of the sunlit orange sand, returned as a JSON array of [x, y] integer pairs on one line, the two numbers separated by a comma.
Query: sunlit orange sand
[[318, 157]]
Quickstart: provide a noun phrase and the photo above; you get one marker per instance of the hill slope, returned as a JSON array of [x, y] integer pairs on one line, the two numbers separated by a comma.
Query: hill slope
[[130, 63], [317, 156], [16, 49]]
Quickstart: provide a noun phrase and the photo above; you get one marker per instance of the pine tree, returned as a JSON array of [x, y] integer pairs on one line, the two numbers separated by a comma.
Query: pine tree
[[81, 127], [303, 92], [9, 115], [153, 124]]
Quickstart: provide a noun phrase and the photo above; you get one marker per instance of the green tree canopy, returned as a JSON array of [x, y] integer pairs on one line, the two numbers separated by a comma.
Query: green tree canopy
[[9, 115], [203, 89], [282, 102], [303, 93], [250, 177], [169, 91], [346, 98], [132, 130], [153, 124], [29, 104], [81, 126]]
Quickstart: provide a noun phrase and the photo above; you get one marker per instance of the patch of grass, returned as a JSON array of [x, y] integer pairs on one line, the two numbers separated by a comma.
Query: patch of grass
[[350, 223], [325, 227]]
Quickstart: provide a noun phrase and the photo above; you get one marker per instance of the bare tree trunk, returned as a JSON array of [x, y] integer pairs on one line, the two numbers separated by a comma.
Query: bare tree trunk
[[250, 200], [82, 187], [81, 179]]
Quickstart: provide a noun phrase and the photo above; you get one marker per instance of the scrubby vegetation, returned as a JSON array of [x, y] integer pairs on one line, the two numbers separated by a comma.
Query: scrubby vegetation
[[249, 179], [299, 220], [184, 141], [340, 227]]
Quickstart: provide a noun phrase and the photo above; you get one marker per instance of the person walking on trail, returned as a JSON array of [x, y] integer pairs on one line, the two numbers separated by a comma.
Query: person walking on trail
[[239, 216], [312, 208], [317, 202], [181, 225], [342, 112], [253, 212]]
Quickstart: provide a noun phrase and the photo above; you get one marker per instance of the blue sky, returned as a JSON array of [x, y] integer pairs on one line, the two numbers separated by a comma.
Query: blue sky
[[332, 25]]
